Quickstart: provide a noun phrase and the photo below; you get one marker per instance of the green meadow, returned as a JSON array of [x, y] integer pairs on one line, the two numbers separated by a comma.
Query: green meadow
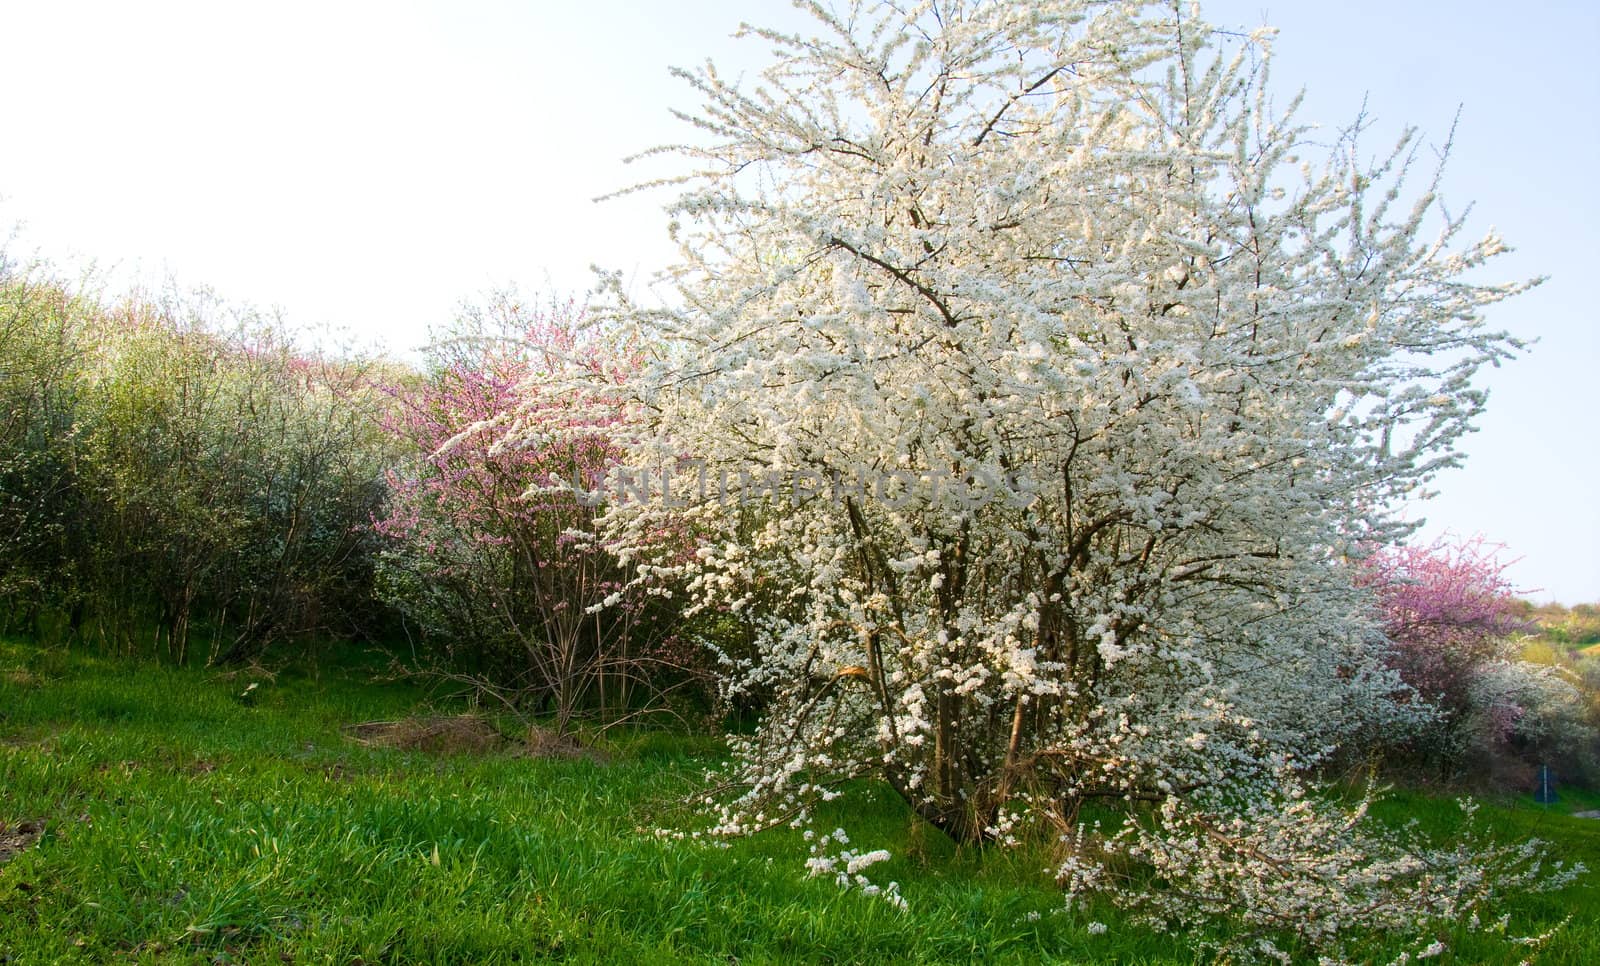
[[152, 815]]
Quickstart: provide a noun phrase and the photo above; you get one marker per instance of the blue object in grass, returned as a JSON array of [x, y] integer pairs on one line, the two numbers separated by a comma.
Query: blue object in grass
[[1546, 792]]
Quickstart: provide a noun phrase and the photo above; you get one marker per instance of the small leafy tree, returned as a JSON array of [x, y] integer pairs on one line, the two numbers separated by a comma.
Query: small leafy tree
[[316, 453]]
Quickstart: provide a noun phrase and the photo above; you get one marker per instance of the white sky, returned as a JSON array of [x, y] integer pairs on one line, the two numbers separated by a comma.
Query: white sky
[[370, 165]]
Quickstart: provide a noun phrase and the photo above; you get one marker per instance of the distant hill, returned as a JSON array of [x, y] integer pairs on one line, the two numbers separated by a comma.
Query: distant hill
[[1576, 629]]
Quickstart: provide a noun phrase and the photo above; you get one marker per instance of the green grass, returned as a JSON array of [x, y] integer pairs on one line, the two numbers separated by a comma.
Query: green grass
[[185, 825]]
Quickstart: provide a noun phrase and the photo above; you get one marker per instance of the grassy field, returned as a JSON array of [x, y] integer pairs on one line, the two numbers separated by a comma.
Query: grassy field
[[183, 823]]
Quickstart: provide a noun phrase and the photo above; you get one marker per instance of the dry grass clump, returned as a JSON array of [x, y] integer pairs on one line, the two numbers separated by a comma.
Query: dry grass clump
[[463, 734], [468, 734], [544, 743], [21, 678]]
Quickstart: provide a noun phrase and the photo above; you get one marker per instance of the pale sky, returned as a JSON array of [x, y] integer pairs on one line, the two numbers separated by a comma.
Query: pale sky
[[371, 165]]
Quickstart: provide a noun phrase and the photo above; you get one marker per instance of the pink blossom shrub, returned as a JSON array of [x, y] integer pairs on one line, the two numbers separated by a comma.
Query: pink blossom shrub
[[1447, 608], [490, 552], [1454, 627]]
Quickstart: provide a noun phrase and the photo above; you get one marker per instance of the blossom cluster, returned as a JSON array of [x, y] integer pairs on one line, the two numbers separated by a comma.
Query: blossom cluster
[[1069, 254]]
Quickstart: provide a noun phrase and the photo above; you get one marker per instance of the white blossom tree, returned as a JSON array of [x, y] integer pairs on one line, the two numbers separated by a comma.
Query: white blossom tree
[[1048, 378]]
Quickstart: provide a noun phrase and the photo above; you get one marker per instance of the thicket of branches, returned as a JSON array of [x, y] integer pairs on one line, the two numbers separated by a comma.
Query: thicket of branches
[[176, 479], [489, 553], [184, 481]]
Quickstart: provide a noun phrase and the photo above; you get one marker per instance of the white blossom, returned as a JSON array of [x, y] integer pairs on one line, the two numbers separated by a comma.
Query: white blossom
[[1111, 376]]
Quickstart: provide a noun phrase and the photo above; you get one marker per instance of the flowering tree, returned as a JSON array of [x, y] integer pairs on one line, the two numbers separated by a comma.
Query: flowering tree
[[490, 549], [1069, 383], [1452, 623], [1447, 609]]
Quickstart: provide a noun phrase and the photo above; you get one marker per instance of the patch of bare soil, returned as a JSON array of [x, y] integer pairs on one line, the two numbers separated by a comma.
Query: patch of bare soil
[[200, 766], [455, 735], [15, 838]]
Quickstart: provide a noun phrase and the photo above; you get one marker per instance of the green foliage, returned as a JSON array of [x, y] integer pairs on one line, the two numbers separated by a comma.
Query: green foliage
[[167, 466], [1573, 628], [184, 825], [40, 346]]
